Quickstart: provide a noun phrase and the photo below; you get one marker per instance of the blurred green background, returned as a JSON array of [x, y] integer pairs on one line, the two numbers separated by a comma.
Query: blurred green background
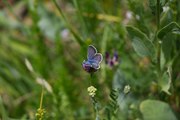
[[48, 40]]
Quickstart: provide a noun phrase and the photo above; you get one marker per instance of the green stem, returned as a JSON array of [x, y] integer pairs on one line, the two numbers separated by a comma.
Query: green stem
[[94, 101], [95, 104], [60, 11], [41, 100], [158, 42], [159, 56], [65, 20], [40, 111], [80, 15], [91, 78], [158, 14]]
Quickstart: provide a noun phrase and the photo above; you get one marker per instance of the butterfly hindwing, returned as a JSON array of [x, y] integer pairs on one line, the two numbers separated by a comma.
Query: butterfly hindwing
[[95, 65], [97, 57], [96, 60]]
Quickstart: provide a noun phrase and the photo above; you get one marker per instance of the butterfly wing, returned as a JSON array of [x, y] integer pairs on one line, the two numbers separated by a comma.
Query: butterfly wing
[[96, 60], [90, 67], [91, 52], [98, 57], [95, 65]]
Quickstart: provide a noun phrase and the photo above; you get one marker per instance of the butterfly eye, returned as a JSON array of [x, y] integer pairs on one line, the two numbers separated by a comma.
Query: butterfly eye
[[91, 52]]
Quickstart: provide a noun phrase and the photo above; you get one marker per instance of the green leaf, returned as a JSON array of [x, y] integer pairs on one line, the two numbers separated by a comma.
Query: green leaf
[[167, 17], [152, 5], [141, 43], [167, 45], [168, 28], [165, 82], [2, 110], [163, 60], [168, 35], [156, 110], [140, 48]]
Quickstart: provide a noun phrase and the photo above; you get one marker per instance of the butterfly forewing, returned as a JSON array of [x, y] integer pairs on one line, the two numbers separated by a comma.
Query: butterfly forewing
[[91, 52]]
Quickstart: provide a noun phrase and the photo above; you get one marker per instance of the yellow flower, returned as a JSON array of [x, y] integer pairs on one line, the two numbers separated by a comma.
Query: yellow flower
[[92, 91], [40, 113], [127, 89]]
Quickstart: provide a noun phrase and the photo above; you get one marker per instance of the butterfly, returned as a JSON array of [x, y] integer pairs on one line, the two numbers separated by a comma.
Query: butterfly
[[92, 64]]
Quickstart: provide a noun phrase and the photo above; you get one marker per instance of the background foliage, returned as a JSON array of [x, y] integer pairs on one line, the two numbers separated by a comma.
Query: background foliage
[[48, 39]]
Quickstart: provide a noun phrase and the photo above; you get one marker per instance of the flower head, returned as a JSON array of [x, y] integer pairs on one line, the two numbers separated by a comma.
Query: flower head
[[40, 113], [112, 61], [92, 91], [127, 89]]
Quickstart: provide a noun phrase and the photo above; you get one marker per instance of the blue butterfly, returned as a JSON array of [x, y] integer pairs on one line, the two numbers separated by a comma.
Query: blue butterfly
[[92, 64]]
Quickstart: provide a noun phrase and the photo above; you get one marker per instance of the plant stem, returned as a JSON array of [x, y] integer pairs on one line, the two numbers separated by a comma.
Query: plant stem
[[60, 11], [41, 100], [158, 14], [158, 42], [65, 20], [95, 104], [40, 111], [81, 19], [94, 101], [91, 78]]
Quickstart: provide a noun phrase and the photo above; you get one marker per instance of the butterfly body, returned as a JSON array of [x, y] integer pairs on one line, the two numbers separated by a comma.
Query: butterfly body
[[92, 64]]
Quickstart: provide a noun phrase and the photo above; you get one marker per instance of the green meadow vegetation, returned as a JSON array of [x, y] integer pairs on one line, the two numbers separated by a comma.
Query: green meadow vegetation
[[46, 72]]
